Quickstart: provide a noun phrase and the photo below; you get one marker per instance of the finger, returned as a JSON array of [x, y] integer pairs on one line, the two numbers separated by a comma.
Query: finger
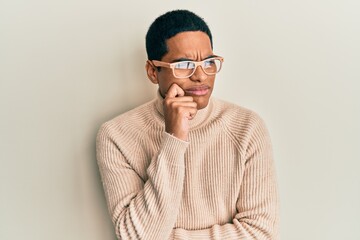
[[174, 91], [180, 104], [192, 113], [179, 99]]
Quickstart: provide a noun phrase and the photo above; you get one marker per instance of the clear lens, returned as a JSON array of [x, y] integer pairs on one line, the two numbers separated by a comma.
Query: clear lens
[[185, 65], [184, 69], [212, 66]]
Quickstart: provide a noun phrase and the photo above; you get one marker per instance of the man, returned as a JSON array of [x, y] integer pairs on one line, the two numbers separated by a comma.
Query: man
[[186, 166]]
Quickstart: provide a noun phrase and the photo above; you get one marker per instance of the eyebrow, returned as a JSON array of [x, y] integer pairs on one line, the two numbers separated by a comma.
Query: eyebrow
[[188, 59]]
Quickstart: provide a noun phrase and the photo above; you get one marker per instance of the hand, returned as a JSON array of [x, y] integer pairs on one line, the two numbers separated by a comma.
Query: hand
[[178, 110]]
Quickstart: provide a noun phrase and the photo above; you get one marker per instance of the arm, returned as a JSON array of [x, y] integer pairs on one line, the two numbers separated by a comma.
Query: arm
[[148, 210], [142, 210], [257, 205]]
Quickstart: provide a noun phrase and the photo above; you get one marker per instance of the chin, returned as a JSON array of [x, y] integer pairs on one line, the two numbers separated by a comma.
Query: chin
[[201, 103]]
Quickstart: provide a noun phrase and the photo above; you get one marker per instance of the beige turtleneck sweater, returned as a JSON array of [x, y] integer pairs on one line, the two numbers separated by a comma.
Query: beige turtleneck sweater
[[219, 185]]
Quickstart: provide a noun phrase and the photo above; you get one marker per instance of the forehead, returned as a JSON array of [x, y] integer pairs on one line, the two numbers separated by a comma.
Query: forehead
[[192, 45]]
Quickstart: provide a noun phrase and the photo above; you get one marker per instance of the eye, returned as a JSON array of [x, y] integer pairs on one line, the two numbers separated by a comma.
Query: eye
[[209, 63], [184, 65]]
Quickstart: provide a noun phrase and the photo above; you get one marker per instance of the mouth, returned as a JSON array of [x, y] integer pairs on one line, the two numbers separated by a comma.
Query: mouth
[[197, 90]]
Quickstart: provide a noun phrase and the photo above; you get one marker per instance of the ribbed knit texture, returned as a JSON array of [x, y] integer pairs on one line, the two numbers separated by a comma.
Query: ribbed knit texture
[[219, 185]]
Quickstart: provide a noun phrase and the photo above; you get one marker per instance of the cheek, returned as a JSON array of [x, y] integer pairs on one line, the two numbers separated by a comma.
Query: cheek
[[162, 89], [165, 80]]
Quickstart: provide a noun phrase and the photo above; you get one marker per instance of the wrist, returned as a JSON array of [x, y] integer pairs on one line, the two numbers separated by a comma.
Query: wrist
[[177, 134]]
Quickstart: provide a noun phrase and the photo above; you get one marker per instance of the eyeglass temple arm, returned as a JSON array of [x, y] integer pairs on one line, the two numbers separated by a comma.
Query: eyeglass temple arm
[[156, 63]]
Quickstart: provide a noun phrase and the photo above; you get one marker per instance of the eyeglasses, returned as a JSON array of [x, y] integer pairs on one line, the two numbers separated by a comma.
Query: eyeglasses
[[185, 69]]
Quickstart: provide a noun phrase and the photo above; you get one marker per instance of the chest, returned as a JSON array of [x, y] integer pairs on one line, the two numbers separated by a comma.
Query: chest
[[214, 168], [213, 175]]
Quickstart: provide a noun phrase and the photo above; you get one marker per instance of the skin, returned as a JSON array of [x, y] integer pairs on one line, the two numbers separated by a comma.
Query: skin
[[183, 97]]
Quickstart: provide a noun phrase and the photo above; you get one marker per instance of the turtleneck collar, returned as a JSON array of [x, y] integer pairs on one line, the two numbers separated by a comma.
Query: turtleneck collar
[[201, 116]]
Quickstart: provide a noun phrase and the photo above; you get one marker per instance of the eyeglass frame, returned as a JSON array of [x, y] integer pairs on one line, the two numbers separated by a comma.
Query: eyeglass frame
[[157, 63]]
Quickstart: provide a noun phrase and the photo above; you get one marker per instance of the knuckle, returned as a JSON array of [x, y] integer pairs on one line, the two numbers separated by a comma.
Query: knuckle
[[180, 109], [167, 102]]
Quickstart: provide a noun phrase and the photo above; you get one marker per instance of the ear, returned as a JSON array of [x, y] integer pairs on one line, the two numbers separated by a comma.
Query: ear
[[151, 72]]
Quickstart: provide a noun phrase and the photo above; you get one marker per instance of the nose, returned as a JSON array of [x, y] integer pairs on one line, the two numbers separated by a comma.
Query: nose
[[199, 75]]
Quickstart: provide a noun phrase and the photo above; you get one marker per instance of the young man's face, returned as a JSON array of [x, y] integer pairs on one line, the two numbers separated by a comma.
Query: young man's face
[[195, 46]]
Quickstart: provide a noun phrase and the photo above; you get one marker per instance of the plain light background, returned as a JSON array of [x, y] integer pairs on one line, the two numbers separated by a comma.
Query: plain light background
[[68, 66]]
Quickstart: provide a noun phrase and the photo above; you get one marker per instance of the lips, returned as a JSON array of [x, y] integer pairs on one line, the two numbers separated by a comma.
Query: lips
[[197, 90]]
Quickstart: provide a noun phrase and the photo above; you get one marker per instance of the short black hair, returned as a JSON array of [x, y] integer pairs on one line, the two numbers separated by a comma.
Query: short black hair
[[167, 26]]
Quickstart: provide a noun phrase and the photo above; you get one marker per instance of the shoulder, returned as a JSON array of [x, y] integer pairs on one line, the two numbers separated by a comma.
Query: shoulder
[[130, 122], [239, 122], [233, 114]]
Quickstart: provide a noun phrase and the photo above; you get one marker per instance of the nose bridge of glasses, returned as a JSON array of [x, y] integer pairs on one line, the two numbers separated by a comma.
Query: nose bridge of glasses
[[202, 68]]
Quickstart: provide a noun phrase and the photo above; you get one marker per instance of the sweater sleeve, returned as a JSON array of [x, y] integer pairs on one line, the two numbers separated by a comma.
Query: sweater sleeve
[[142, 210], [257, 205]]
